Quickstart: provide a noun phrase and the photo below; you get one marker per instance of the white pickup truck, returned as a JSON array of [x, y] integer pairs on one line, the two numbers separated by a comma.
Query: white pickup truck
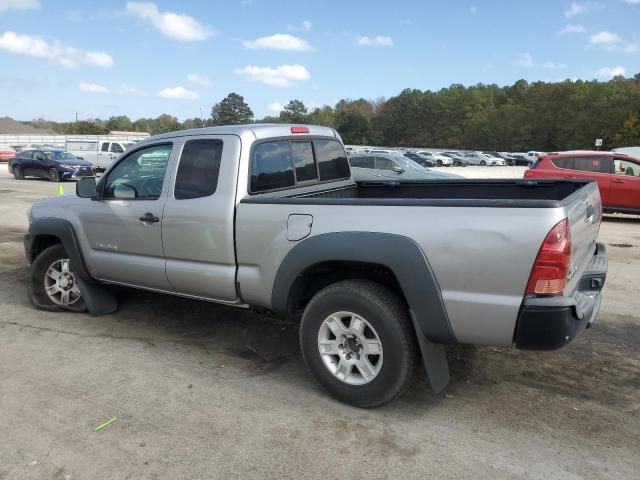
[[101, 153]]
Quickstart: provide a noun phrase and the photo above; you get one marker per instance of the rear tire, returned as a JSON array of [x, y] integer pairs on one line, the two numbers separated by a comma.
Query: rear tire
[[349, 320], [18, 174], [52, 281], [439, 163]]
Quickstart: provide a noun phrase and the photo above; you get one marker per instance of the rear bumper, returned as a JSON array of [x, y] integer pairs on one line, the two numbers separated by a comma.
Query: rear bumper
[[551, 323]]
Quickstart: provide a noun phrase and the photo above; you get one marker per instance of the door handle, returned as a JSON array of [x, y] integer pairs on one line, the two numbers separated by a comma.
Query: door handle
[[149, 218], [616, 180]]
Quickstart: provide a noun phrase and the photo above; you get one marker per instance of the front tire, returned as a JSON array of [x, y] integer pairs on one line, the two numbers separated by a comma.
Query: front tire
[[439, 163], [53, 175], [53, 284], [357, 340], [483, 163]]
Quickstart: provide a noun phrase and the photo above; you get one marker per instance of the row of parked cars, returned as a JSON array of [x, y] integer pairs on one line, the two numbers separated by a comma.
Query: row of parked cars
[[428, 158]]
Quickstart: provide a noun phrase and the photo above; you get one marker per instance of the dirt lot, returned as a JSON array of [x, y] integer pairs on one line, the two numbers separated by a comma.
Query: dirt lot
[[202, 391]]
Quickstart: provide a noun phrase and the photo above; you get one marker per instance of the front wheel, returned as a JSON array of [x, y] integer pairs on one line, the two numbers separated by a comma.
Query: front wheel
[[483, 163], [53, 175], [439, 163], [53, 283], [356, 339]]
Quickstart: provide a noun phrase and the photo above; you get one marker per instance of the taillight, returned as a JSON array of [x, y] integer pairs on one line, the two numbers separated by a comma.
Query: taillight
[[299, 129], [550, 270]]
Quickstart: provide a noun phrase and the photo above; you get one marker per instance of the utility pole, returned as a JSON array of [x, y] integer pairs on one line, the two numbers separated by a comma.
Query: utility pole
[[76, 117], [201, 117]]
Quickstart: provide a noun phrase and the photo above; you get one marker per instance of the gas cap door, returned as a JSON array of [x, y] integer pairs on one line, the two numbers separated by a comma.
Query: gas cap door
[[299, 226]]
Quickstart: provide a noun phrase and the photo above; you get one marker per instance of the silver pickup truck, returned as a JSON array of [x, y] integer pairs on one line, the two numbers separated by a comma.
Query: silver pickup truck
[[380, 274]]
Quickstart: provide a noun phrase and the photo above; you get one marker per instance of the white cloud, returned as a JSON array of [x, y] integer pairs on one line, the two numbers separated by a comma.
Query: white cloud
[[201, 80], [55, 51], [307, 25], [605, 38], [178, 93], [280, 41], [93, 88], [570, 28], [576, 9], [377, 41], [6, 5], [526, 60], [610, 72], [281, 76], [176, 26], [275, 107], [473, 10], [632, 2], [125, 89]]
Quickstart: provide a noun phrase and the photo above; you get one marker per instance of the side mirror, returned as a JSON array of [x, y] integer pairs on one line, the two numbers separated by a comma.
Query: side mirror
[[86, 187], [398, 170]]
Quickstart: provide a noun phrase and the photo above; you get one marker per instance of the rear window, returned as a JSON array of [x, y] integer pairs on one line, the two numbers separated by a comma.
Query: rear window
[[566, 162], [583, 164], [284, 164], [198, 169]]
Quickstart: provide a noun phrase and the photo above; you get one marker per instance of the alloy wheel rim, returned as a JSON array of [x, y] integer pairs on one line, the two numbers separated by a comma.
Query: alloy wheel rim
[[350, 348], [53, 175], [60, 283]]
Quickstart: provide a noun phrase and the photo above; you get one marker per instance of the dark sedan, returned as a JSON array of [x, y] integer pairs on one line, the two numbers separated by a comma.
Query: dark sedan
[[56, 165]]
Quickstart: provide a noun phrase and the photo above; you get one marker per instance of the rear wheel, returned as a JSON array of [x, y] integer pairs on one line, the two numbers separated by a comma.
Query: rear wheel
[[18, 174], [53, 283], [357, 340], [53, 175], [439, 163]]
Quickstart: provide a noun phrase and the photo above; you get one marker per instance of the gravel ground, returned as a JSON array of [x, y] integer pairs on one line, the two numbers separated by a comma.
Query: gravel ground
[[202, 391]]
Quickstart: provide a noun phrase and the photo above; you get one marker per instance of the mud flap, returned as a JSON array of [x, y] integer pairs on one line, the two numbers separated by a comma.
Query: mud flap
[[434, 359], [99, 300]]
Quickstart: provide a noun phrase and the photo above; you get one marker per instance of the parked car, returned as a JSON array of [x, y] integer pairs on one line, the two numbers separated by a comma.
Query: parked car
[[618, 176], [101, 153], [392, 166], [520, 159], [457, 159], [420, 159], [6, 153], [479, 158], [380, 274], [438, 158], [56, 165]]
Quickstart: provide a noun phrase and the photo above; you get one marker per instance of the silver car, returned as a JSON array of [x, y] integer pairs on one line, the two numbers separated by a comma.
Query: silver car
[[478, 158], [392, 166]]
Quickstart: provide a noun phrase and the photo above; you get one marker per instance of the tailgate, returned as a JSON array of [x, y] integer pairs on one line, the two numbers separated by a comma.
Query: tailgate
[[584, 211]]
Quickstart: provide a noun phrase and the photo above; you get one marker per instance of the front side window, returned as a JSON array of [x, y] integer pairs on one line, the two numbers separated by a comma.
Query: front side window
[[271, 166], [384, 164], [198, 169], [140, 175], [105, 147], [302, 154], [332, 161], [625, 167], [116, 148], [362, 162]]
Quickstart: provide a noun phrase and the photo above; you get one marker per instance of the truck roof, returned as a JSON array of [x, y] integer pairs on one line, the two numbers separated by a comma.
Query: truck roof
[[259, 131]]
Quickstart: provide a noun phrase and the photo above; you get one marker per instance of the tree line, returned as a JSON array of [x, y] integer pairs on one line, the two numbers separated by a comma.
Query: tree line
[[520, 117]]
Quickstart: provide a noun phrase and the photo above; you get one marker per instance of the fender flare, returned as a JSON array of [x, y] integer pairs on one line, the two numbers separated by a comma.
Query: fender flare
[[399, 253], [99, 300]]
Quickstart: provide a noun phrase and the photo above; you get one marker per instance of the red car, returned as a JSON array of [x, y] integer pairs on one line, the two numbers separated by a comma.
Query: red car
[[618, 175], [6, 153]]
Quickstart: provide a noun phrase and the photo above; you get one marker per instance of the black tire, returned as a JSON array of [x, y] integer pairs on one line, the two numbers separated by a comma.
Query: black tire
[[388, 315], [439, 163], [18, 174], [54, 176], [37, 293], [483, 163]]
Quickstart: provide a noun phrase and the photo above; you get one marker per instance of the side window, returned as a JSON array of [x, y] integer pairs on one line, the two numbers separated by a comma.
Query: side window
[[116, 148], [302, 154], [198, 169], [566, 162], [271, 166], [105, 147], [589, 164], [383, 163], [140, 175], [26, 155], [362, 162], [332, 161], [625, 167]]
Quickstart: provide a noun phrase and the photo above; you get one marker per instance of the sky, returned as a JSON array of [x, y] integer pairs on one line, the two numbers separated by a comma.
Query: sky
[[142, 59]]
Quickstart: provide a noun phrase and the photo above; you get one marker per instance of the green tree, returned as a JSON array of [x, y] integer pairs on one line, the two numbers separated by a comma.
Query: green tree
[[232, 110], [120, 123], [294, 112]]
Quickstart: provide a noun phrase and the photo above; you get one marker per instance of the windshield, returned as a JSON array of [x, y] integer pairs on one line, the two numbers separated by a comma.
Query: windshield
[[59, 155]]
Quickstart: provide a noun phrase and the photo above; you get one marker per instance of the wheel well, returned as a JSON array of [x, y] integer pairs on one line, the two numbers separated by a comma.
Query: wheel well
[[42, 242], [323, 274]]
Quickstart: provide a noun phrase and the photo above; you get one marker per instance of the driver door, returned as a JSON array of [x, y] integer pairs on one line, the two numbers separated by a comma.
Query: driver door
[[123, 224]]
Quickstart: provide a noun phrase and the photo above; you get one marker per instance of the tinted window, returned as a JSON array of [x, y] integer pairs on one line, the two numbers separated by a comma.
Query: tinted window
[[362, 162], [589, 164], [567, 162], [27, 154], [332, 161], [198, 169], [302, 154], [625, 167], [105, 147], [384, 164], [139, 175], [59, 155], [116, 148], [271, 166]]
